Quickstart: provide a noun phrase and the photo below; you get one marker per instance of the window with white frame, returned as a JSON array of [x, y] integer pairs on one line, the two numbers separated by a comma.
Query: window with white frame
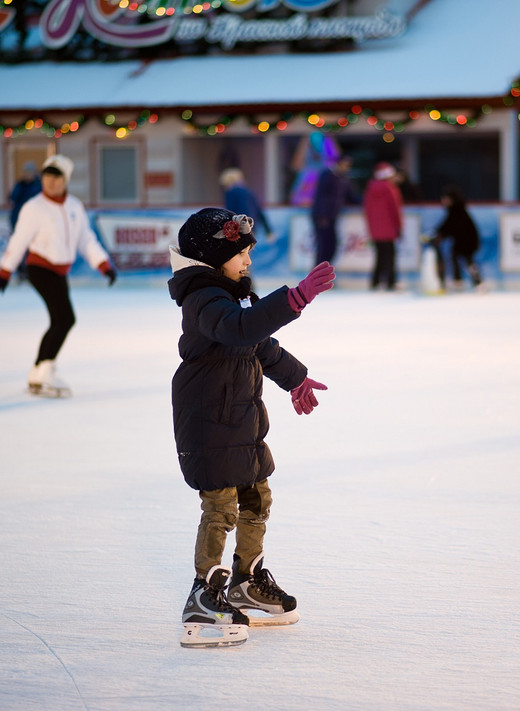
[[118, 170]]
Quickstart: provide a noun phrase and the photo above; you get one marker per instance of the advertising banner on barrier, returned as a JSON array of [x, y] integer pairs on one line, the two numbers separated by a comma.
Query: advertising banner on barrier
[[138, 241], [510, 241], [355, 252]]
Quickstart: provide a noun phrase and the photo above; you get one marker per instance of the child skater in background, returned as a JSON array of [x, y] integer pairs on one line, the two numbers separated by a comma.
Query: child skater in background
[[458, 225], [220, 421]]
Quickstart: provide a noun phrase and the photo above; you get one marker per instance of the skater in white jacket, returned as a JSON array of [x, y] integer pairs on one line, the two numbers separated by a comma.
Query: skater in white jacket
[[53, 227]]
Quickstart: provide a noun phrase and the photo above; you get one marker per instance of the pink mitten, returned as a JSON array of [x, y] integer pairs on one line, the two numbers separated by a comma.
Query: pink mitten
[[321, 278], [303, 398]]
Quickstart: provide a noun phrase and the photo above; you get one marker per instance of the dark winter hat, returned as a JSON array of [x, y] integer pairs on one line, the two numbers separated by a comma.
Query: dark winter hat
[[214, 235], [454, 194]]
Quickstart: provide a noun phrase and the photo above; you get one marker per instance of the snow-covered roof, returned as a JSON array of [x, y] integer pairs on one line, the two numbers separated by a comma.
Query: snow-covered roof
[[450, 49]]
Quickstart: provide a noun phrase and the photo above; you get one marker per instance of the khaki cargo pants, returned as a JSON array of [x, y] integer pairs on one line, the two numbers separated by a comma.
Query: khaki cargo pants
[[245, 508]]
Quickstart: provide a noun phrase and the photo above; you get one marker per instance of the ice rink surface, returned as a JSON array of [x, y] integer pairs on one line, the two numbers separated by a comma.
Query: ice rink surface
[[395, 519]]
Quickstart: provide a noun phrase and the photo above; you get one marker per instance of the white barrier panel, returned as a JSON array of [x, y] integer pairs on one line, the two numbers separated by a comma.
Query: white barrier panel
[[510, 241], [138, 241], [355, 252], [5, 232]]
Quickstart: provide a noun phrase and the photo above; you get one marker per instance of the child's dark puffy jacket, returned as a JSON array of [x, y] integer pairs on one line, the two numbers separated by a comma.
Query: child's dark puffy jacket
[[459, 225], [219, 418]]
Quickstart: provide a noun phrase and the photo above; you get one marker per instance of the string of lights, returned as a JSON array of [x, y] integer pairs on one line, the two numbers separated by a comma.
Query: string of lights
[[167, 8], [159, 8], [122, 130], [356, 114], [38, 124]]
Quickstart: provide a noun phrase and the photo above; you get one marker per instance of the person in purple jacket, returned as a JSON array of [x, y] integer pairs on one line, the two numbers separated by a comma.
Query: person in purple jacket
[[333, 191]]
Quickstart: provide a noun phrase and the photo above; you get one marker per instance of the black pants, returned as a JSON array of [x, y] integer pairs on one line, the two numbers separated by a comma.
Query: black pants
[[384, 268], [456, 256], [326, 240], [54, 290]]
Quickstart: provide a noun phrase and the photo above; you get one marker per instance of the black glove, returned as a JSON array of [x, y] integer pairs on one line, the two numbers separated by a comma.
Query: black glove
[[111, 276], [3, 284]]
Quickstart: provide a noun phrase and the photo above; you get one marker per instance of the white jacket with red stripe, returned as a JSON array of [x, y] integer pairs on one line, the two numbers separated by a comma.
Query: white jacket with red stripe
[[54, 231]]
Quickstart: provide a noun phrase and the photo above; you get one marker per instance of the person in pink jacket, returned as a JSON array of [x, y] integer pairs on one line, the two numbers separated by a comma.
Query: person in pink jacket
[[382, 205]]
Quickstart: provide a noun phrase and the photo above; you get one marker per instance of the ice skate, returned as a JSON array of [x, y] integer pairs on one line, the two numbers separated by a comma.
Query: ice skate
[[476, 280], [209, 620], [458, 285], [44, 382], [257, 592]]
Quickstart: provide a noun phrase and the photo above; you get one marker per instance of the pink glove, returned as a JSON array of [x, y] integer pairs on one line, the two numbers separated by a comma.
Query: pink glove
[[321, 278], [303, 399]]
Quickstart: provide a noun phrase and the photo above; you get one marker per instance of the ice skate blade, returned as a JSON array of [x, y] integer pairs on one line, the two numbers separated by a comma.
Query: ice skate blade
[[262, 619], [203, 636], [46, 391]]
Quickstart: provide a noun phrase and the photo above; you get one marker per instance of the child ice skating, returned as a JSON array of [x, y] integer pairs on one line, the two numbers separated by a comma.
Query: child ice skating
[[458, 225], [220, 421]]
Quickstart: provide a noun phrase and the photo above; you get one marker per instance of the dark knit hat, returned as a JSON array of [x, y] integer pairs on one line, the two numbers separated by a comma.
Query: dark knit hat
[[214, 235]]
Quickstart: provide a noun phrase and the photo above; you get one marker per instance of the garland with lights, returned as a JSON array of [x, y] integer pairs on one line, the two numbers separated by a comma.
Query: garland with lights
[[356, 114], [160, 8], [39, 124], [123, 130]]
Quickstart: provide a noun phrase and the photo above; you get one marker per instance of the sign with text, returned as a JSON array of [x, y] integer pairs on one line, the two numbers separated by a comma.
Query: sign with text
[[159, 179], [355, 252], [138, 242], [122, 26]]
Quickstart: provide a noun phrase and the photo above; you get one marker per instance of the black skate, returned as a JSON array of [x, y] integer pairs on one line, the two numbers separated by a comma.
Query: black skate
[[257, 591], [209, 620]]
